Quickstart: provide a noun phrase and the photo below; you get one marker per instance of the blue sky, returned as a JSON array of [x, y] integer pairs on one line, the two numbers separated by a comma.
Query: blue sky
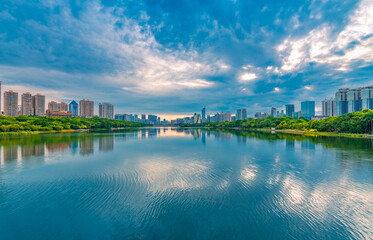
[[173, 57]]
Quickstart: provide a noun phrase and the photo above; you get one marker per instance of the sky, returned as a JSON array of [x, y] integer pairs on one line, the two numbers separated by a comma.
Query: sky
[[172, 57]]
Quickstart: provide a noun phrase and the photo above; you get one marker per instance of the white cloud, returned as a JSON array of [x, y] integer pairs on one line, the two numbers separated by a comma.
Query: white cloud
[[320, 46], [246, 77]]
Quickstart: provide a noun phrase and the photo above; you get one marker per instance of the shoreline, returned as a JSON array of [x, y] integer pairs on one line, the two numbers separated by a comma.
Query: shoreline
[[61, 131], [299, 132]]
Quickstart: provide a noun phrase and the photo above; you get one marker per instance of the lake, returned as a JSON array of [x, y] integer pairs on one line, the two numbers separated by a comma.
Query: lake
[[169, 183]]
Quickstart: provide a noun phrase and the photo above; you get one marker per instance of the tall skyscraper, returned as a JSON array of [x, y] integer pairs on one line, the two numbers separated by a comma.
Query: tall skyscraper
[[203, 113], [11, 103], [73, 108], [26, 103], [329, 107], [86, 108], [354, 100], [341, 101], [38, 104], [289, 110], [241, 114], [273, 112], [367, 97], [106, 110], [308, 109]]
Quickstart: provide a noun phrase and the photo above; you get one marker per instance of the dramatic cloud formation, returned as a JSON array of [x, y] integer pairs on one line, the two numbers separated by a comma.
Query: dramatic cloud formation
[[172, 57]]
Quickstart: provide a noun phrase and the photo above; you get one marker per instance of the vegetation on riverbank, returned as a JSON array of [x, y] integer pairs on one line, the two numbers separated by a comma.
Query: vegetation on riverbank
[[358, 122], [36, 124]]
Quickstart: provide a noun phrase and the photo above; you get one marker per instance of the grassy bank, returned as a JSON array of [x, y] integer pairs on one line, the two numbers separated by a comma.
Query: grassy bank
[[34, 124], [360, 123]]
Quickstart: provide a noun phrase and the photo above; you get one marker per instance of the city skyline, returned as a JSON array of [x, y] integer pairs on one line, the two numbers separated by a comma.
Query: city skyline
[[232, 55]]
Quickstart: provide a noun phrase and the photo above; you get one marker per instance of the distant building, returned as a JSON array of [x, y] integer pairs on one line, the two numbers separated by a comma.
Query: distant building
[[74, 108], [38, 104], [153, 119], [196, 118], [227, 117], [11, 103], [57, 107], [203, 113], [354, 100], [86, 108], [297, 115], [318, 117], [289, 110], [329, 107], [341, 101], [59, 114], [26, 103], [260, 115], [366, 97], [273, 112], [241, 114], [106, 110], [308, 109]]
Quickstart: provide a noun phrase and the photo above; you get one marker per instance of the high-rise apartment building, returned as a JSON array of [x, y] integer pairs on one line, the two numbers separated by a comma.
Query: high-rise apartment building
[[329, 107], [273, 112], [341, 101], [289, 110], [308, 109], [354, 100], [57, 107], [38, 104], [26, 103], [74, 108], [11, 103], [367, 97], [86, 108], [106, 110], [241, 114]]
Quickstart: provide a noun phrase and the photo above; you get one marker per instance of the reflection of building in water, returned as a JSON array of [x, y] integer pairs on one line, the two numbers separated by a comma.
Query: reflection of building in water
[[290, 144], [86, 145], [10, 153], [74, 147], [32, 150], [57, 147], [204, 137], [106, 142]]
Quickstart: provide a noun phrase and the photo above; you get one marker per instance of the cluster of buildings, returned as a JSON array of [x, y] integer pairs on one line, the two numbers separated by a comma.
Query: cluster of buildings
[[34, 105], [348, 100], [142, 118]]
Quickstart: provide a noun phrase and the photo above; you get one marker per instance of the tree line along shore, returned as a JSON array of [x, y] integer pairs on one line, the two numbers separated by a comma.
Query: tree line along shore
[[31, 124], [352, 123]]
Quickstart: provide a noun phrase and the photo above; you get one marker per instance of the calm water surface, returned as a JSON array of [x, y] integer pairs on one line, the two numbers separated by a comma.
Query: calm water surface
[[166, 183]]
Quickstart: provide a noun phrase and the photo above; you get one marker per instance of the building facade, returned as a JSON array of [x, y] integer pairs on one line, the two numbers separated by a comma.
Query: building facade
[[86, 108], [273, 112], [367, 97], [57, 107], [11, 103], [308, 109], [74, 108], [354, 100], [341, 104], [328, 107], [241, 114], [38, 104], [106, 110], [203, 113], [26, 103], [289, 110]]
